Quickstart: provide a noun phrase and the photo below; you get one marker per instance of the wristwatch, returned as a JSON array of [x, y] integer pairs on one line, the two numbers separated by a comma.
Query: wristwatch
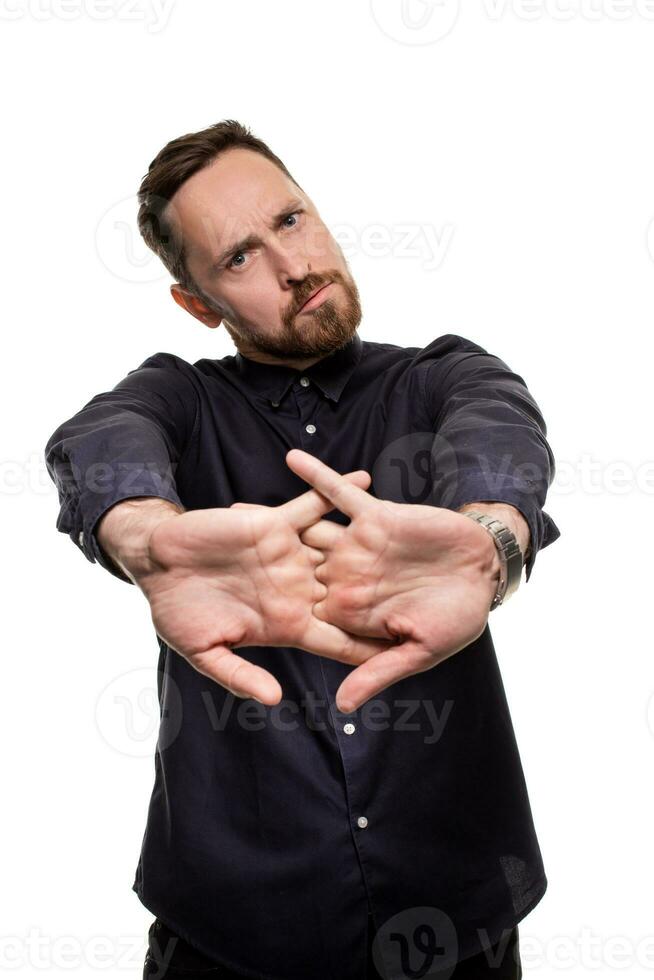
[[511, 557]]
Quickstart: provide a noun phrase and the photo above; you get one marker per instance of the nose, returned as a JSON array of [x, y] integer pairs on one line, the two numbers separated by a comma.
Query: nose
[[292, 263], [294, 271]]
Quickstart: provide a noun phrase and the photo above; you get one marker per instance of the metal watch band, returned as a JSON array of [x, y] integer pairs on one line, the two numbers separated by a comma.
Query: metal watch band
[[511, 558]]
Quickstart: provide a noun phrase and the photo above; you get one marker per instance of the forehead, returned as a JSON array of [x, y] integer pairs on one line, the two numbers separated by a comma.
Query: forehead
[[232, 197]]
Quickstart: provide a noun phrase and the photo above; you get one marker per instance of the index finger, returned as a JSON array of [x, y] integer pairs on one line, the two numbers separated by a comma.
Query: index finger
[[349, 499], [309, 507]]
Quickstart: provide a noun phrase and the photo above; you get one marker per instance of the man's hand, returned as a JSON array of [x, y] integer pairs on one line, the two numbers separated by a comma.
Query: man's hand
[[222, 578], [421, 576]]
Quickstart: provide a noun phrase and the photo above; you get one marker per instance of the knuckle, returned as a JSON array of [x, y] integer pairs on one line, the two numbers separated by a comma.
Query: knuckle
[[351, 599]]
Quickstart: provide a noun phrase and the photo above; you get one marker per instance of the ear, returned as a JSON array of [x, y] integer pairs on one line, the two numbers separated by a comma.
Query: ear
[[194, 305]]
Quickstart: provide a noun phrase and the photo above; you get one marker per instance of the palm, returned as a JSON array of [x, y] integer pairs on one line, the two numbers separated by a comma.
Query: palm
[[394, 567], [231, 577], [413, 574]]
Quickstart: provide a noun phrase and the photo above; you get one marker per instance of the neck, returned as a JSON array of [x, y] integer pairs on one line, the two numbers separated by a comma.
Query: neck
[[299, 363]]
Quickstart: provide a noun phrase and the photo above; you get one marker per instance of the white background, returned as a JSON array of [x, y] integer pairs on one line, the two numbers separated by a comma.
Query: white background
[[519, 137]]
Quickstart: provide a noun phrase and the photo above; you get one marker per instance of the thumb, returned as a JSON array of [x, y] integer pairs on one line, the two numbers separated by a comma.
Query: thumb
[[381, 671], [240, 677]]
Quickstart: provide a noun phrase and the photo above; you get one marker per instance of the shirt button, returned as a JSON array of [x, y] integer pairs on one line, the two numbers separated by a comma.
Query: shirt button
[[349, 728], [275, 404], [310, 428], [304, 382], [362, 822]]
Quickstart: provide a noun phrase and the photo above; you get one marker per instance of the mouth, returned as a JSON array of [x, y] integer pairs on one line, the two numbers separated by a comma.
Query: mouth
[[316, 298]]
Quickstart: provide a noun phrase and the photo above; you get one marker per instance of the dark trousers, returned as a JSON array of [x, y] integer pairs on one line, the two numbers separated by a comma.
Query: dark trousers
[[180, 961]]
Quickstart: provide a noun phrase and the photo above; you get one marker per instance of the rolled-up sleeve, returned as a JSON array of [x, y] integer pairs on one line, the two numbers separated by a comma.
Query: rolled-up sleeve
[[123, 443], [490, 436]]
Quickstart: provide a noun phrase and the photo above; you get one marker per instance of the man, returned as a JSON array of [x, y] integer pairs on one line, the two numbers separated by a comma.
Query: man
[[338, 789]]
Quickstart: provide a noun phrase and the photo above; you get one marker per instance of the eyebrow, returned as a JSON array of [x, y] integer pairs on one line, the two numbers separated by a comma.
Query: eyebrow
[[252, 240]]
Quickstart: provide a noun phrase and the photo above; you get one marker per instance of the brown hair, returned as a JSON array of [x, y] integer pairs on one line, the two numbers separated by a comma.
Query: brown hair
[[172, 166]]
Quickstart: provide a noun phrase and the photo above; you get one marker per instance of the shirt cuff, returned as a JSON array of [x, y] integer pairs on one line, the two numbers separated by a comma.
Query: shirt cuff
[[542, 529], [85, 535]]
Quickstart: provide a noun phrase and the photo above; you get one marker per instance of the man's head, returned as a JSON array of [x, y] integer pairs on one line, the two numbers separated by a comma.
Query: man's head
[[247, 246]]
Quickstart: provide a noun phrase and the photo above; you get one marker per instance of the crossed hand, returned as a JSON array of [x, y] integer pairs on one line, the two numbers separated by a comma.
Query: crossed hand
[[399, 589]]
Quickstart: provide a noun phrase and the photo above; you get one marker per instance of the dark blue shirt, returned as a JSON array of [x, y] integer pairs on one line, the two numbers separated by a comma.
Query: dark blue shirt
[[273, 832]]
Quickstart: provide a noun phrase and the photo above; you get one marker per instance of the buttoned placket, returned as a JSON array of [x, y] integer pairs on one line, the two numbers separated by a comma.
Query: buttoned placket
[[353, 748], [309, 400]]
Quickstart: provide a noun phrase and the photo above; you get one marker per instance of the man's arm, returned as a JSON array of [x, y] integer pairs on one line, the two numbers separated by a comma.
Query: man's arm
[[123, 533], [491, 445], [123, 444]]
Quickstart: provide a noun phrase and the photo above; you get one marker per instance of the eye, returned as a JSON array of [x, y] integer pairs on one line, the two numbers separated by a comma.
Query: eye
[[230, 264], [291, 215]]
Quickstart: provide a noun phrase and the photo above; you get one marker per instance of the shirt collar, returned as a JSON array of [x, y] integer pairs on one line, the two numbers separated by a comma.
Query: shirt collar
[[330, 374]]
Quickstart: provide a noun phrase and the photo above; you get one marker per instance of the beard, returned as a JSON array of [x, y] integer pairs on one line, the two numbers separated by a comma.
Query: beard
[[315, 333]]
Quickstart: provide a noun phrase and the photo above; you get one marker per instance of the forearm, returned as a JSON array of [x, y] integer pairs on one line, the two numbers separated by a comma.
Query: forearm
[[491, 444], [124, 530]]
